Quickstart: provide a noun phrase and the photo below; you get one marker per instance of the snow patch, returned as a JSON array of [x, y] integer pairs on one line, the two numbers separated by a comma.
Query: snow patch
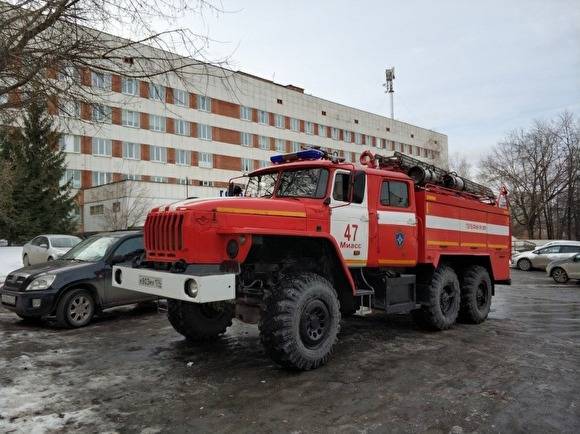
[[10, 260]]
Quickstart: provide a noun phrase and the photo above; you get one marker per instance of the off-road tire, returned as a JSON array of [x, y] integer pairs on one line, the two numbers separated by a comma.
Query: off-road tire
[[476, 293], [200, 322], [524, 264], [300, 322], [559, 275], [66, 315], [441, 307]]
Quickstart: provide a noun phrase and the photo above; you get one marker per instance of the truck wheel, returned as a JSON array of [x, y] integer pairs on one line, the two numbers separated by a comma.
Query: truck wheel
[[476, 289], [199, 321], [300, 321], [440, 310], [525, 264], [75, 309]]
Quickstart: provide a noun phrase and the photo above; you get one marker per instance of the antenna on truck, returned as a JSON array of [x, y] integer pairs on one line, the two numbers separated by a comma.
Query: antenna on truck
[[424, 173]]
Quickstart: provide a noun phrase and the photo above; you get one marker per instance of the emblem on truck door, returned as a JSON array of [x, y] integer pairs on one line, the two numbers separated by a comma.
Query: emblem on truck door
[[399, 238]]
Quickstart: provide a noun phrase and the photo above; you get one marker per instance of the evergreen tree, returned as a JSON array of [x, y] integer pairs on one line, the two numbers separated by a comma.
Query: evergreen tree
[[40, 204]]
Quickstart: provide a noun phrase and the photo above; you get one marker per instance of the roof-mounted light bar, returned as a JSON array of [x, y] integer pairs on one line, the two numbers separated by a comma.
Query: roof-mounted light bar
[[307, 154]]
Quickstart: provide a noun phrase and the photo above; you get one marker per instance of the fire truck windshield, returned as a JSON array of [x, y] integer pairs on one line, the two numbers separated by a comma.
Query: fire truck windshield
[[261, 185], [303, 183]]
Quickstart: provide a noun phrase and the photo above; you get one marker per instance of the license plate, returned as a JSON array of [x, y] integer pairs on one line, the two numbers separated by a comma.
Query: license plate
[[9, 299], [150, 282]]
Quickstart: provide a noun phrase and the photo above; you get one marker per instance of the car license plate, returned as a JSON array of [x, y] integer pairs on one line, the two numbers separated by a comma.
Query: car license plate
[[9, 299], [150, 282]]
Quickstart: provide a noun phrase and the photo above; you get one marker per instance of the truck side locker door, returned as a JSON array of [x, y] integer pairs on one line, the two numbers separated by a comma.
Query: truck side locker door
[[349, 216], [397, 224]]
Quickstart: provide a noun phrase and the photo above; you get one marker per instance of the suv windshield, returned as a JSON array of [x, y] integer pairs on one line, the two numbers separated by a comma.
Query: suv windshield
[[64, 242], [91, 250], [303, 183]]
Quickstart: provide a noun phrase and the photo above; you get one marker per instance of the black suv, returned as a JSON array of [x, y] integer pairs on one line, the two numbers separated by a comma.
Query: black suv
[[76, 286]]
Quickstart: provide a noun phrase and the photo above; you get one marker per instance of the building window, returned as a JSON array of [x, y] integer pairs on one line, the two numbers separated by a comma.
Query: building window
[[205, 159], [70, 143], [101, 80], [379, 142], [101, 147], [131, 151], [294, 124], [157, 123], [129, 86], [161, 179], [245, 113], [309, 127], [204, 103], [279, 121], [69, 74], [263, 117], [279, 101], [335, 133], [181, 127], [180, 97], [206, 183], [101, 113], [183, 157], [97, 209], [100, 178], [358, 138], [157, 92], [68, 108], [183, 181], [295, 146], [74, 176], [130, 118], [368, 140], [347, 136], [158, 154], [247, 139], [247, 165], [321, 130], [323, 113], [280, 145], [203, 132], [116, 206], [132, 177], [264, 163], [264, 142]]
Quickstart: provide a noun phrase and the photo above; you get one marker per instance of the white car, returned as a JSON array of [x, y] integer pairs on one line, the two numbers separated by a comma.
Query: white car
[[540, 258], [45, 248]]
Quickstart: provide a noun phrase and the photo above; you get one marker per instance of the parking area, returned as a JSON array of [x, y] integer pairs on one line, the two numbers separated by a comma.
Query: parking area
[[130, 372]]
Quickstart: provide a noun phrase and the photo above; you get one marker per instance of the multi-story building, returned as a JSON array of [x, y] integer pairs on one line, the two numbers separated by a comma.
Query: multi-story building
[[189, 137]]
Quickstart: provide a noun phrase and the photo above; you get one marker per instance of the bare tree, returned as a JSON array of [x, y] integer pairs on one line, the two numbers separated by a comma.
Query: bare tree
[[129, 204], [49, 47], [459, 164], [540, 169]]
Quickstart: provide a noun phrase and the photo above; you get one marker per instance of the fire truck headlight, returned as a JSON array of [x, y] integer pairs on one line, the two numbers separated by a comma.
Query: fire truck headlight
[[191, 288], [232, 248]]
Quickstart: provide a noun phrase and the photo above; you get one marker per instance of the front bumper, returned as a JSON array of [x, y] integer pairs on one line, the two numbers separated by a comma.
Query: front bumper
[[210, 288], [32, 303]]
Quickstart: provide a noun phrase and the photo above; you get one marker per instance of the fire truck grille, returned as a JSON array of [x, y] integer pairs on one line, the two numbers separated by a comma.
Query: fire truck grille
[[163, 234]]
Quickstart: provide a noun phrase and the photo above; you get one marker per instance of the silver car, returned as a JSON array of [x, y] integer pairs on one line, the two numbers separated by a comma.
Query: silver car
[[45, 248], [565, 269], [540, 258]]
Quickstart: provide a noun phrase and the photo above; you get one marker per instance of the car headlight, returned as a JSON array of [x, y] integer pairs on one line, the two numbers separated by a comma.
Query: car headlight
[[40, 283]]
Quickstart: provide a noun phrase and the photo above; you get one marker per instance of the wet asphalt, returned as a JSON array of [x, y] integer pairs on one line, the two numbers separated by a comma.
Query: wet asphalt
[[130, 372]]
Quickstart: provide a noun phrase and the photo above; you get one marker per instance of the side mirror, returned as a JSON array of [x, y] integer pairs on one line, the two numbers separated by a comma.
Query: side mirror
[[43, 246], [117, 259], [234, 189], [326, 200]]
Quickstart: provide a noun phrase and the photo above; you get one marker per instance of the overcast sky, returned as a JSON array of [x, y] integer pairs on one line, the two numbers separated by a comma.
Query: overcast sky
[[471, 70]]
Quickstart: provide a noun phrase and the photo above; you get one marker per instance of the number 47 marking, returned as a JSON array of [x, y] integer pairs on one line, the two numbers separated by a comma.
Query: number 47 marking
[[348, 232]]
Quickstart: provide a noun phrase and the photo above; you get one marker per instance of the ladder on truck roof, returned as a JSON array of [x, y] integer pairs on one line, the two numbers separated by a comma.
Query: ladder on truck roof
[[425, 174]]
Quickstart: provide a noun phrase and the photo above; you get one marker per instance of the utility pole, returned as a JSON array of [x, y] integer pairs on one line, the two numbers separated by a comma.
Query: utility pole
[[390, 76]]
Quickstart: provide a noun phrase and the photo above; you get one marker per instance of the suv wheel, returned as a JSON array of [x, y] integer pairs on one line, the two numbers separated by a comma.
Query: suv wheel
[[75, 309], [559, 275], [524, 264]]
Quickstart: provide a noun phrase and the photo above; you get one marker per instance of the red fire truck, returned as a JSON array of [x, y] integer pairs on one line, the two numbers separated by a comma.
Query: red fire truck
[[313, 238]]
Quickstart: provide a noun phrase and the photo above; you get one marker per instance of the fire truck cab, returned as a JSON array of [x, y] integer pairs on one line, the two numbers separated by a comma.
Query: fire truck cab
[[312, 238]]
